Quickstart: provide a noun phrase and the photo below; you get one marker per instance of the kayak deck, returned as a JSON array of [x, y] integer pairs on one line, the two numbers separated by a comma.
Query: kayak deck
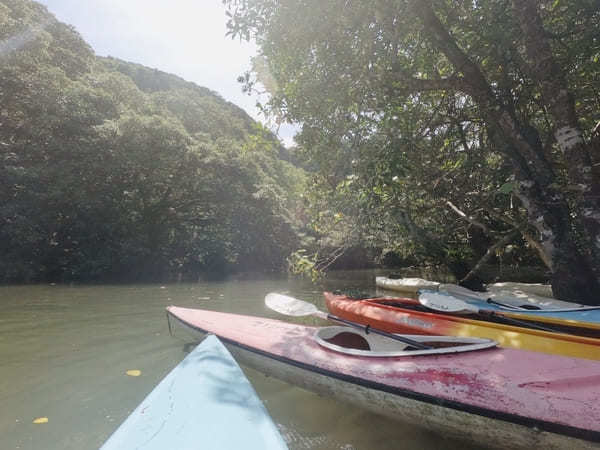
[[204, 402]]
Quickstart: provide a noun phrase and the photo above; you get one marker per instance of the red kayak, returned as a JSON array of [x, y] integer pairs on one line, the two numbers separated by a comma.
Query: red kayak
[[497, 397]]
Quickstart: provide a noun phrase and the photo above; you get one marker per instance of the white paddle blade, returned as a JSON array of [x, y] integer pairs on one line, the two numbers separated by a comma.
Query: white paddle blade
[[289, 306], [445, 303]]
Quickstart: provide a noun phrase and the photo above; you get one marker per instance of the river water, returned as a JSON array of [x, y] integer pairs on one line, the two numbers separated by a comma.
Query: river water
[[65, 351]]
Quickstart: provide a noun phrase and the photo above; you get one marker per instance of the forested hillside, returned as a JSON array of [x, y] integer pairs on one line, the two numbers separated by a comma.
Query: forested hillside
[[114, 171]]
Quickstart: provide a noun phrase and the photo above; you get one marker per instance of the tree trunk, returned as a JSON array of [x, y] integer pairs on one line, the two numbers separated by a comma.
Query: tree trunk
[[491, 251], [575, 272], [572, 280], [584, 176]]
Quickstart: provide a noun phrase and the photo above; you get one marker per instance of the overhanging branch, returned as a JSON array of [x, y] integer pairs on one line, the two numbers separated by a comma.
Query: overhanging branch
[[490, 252], [408, 84]]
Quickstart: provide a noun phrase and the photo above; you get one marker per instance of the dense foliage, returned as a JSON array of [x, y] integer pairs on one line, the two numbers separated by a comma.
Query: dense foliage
[[453, 131], [111, 170]]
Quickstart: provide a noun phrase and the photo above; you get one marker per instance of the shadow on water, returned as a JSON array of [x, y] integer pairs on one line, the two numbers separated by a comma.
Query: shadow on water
[[188, 347]]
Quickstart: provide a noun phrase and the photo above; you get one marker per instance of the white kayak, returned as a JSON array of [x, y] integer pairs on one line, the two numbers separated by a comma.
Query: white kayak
[[206, 402], [406, 285]]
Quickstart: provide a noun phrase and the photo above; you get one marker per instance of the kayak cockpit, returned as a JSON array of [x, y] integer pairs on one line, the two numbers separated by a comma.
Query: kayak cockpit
[[359, 343]]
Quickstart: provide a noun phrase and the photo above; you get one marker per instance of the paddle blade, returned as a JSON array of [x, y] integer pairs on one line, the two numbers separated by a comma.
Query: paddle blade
[[290, 306], [445, 303]]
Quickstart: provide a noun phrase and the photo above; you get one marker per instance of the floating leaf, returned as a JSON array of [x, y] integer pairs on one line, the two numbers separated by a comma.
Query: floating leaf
[[134, 373], [41, 420]]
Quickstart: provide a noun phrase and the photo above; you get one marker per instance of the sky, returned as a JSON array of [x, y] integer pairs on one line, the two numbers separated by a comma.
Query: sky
[[182, 37]]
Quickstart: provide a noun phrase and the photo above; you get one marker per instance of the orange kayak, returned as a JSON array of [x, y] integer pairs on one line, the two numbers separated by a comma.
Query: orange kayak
[[403, 315]]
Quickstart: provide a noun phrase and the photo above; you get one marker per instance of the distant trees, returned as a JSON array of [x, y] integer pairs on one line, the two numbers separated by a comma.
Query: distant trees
[[111, 170], [446, 129]]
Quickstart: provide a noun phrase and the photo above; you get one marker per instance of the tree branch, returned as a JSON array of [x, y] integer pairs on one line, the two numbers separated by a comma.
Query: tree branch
[[490, 252], [522, 227], [476, 85], [409, 84], [467, 218]]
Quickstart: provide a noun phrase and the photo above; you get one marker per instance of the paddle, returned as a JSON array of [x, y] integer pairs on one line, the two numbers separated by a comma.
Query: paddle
[[453, 305], [526, 307], [512, 307], [291, 306]]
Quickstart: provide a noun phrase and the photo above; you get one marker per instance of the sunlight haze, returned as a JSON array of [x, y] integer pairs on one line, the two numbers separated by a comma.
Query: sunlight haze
[[182, 37]]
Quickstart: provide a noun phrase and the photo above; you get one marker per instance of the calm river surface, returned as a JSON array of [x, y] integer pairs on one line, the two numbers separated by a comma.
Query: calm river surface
[[65, 350]]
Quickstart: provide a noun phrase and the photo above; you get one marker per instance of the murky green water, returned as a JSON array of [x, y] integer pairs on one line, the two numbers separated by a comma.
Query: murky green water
[[65, 350]]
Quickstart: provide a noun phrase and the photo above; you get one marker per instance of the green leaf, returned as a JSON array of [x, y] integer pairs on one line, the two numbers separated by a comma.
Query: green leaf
[[507, 188]]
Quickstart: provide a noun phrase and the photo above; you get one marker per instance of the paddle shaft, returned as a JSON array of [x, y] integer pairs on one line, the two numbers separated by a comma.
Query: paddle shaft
[[521, 323], [506, 305], [545, 310], [367, 329]]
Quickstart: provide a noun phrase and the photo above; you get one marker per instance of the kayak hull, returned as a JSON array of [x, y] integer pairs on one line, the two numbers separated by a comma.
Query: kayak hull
[[409, 286], [450, 423], [395, 319], [439, 393]]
